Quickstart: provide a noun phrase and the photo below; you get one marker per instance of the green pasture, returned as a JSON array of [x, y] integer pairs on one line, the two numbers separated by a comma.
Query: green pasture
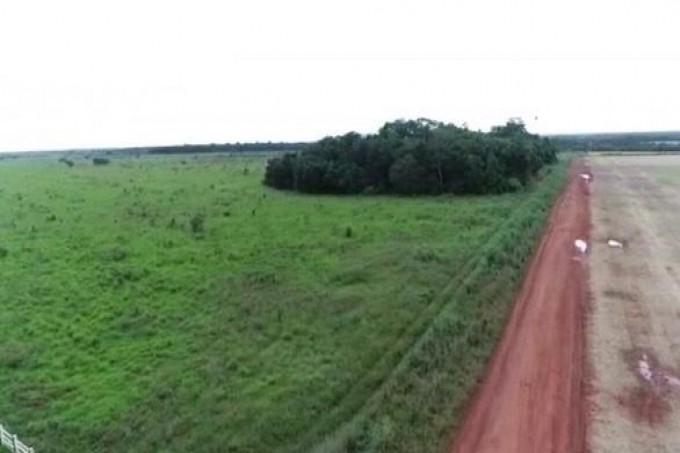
[[176, 304]]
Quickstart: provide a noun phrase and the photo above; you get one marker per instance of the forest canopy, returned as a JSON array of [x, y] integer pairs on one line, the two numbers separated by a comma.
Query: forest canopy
[[415, 157]]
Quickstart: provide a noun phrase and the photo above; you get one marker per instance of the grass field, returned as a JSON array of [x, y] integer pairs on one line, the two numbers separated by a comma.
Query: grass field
[[176, 304]]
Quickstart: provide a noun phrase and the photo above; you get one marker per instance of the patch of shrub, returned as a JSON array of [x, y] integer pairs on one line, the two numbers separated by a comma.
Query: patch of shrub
[[351, 277], [349, 232], [121, 275], [428, 256], [14, 355], [66, 161], [3, 252], [261, 278], [100, 161], [116, 254], [197, 224]]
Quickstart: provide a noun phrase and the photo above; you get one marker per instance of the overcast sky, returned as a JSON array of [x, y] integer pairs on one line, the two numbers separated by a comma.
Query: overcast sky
[[117, 73]]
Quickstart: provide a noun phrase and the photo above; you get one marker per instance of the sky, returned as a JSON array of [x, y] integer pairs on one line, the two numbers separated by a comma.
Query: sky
[[82, 74]]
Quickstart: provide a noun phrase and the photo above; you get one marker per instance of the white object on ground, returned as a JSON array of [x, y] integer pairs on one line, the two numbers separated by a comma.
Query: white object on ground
[[615, 244], [673, 381], [657, 377], [644, 369], [581, 245], [585, 176]]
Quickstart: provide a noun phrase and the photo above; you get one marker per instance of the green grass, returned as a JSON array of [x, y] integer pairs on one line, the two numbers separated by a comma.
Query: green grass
[[286, 323]]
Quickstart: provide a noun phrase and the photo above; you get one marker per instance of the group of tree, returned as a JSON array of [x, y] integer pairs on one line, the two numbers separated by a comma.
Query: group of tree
[[415, 157], [620, 141], [100, 161], [227, 148]]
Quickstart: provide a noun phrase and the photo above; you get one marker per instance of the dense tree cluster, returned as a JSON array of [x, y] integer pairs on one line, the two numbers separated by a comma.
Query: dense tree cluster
[[415, 157]]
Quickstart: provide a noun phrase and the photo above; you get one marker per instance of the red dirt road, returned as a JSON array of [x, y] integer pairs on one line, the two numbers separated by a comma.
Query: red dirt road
[[532, 397]]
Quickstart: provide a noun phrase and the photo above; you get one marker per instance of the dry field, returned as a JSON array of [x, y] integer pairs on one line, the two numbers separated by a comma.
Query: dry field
[[634, 327]]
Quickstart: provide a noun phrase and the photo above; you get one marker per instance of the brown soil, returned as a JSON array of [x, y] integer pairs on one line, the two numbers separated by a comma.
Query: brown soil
[[532, 397], [633, 331], [645, 405], [648, 402]]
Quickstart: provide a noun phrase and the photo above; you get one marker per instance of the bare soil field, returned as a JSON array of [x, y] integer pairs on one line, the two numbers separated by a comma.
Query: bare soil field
[[634, 327], [532, 396]]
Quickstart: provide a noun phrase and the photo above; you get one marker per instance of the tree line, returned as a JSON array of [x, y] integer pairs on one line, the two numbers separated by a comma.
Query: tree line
[[624, 141], [226, 147], [415, 157]]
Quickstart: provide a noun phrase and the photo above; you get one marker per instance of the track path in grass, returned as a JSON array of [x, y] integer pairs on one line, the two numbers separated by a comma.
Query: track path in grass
[[532, 396]]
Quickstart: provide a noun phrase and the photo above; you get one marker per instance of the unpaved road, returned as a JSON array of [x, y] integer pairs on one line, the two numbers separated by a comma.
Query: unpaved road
[[634, 330], [531, 399]]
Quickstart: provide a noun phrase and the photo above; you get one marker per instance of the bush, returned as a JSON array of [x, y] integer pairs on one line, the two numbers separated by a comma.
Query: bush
[[66, 161], [14, 355], [197, 223], [100, 161], [116, 254]]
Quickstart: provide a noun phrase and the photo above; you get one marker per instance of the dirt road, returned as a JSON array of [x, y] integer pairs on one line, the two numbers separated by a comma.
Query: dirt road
[[531, 399]]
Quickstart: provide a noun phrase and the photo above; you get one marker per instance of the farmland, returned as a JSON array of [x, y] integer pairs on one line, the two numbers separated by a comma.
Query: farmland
[[634, 331], [174, 303]]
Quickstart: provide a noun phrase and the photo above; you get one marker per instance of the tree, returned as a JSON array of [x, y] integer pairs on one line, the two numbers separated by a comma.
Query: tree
[[415, 157], [407, 176]]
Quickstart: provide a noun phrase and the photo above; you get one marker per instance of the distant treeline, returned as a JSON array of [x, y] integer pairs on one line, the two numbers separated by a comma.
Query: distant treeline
[[89, 153], [227, 147], [629, 141], [415, 157]]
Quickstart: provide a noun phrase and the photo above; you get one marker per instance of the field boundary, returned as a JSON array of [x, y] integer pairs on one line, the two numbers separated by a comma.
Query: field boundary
[[11, 441]]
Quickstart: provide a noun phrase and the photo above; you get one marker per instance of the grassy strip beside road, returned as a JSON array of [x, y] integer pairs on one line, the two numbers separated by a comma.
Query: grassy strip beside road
[[421, 402]]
